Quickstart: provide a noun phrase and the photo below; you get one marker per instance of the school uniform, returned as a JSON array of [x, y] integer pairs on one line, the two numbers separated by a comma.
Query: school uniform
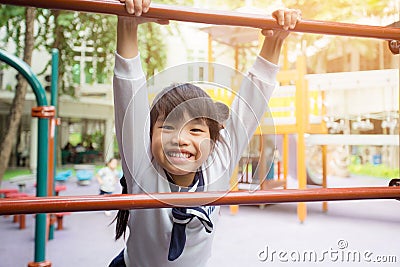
[[148, 244]]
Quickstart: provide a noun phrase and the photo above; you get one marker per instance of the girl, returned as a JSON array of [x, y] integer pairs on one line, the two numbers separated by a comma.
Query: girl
[[108, 176], [185, 142]]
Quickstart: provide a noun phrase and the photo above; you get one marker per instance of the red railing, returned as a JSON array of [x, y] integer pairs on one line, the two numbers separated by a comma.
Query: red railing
[[190, 14], [28, 205]]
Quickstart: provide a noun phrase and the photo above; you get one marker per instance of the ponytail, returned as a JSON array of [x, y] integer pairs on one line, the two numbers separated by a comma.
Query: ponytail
[[123, 215]]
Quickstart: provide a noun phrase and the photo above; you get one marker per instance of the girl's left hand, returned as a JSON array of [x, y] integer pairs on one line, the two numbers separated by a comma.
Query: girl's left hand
[[287, 19]]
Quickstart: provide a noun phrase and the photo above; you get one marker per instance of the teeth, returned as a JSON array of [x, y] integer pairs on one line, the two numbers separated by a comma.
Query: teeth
[[179, 155]]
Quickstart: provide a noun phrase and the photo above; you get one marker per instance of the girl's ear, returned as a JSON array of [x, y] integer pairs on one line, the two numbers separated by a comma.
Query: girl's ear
[[222, 112]]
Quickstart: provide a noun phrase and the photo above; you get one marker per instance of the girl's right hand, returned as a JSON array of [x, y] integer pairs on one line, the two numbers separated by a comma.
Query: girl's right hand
[[137, 7]]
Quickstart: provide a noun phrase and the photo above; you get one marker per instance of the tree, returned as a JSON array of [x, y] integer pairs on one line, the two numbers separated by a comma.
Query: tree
[[74, 32], [18, 102], [67, 31]]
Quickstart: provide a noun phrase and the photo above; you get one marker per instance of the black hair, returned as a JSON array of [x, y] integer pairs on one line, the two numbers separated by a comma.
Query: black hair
[[122, 215]]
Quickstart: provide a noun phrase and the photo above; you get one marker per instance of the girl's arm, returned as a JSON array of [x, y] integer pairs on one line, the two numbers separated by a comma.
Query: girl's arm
[[99, 176], [99, 179], [130, 96], [127, 41], [250, 104], [127, 44], [271, 48]]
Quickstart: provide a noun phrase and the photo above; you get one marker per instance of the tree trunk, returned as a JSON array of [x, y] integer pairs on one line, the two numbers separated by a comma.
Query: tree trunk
[[16, 110]]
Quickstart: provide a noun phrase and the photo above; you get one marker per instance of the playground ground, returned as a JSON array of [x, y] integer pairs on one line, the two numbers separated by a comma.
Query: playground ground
[[351, 233]]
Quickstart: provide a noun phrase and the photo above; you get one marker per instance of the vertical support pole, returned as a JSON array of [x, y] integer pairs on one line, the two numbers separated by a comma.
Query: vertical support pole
[[209, 48], [53, 131], [43, 113], [324, 150], [41, 176], [51, 173], [50, 162], [236, 48], [33, 142], [234, 187], [210, 59], [262, 164], [234, 209], [285, 158], [324, 172], [41, 191], [301, 121]]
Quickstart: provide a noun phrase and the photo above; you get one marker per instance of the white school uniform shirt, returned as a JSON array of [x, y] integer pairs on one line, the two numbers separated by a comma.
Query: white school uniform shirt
[[109, 178], [150, 229]]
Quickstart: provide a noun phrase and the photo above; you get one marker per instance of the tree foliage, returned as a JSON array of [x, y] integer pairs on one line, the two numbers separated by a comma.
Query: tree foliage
[[7, 137], [12, 20], [71, 33]]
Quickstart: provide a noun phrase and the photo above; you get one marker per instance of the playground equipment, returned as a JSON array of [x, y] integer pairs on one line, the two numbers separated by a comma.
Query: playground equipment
[[63, 176], [168, 200], [298, 111], [189, 14], [45, 113]]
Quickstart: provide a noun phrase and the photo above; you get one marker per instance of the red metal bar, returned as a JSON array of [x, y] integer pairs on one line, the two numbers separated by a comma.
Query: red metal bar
[[166, 200], [218, 17], [43, 112]]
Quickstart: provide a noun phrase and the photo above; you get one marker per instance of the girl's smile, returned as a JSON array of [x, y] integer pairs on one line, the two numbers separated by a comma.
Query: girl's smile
[[179, 156], [181, 147]]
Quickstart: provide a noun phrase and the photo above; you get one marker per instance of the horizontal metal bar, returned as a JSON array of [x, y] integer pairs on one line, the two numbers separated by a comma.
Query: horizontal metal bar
[[29, 205], [190, 14]]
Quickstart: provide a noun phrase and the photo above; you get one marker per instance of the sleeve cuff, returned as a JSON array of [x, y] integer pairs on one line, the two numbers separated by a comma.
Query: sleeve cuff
[[128, 68], [264, 70]]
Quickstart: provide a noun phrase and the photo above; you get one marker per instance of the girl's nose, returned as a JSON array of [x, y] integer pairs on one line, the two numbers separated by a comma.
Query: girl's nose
[[180, 138]]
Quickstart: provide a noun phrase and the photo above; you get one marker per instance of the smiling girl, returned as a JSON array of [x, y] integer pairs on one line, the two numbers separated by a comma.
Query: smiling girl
[[184, 143]]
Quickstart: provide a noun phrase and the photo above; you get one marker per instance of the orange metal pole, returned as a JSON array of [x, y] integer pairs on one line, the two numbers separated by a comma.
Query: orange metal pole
[[28, 205], [301, 123], [50, 166], [285, 158], [218, 17], [324, 150]]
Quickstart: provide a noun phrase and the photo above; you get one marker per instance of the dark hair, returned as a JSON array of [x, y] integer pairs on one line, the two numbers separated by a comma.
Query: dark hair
[[108, 161], [172, 103], [122, 215], [178, 99]]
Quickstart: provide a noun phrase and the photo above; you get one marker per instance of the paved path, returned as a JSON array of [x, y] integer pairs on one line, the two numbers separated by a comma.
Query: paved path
[[350, 234]]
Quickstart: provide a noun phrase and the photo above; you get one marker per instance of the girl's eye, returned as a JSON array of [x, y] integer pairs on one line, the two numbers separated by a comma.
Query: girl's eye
[[166, 127], [197, 130]]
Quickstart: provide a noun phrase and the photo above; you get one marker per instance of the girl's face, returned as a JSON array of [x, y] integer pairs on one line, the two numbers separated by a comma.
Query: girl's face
[[181, 146], [113, 164]]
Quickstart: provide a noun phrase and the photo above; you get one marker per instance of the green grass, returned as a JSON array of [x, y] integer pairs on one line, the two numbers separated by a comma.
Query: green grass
[[10, 173]]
